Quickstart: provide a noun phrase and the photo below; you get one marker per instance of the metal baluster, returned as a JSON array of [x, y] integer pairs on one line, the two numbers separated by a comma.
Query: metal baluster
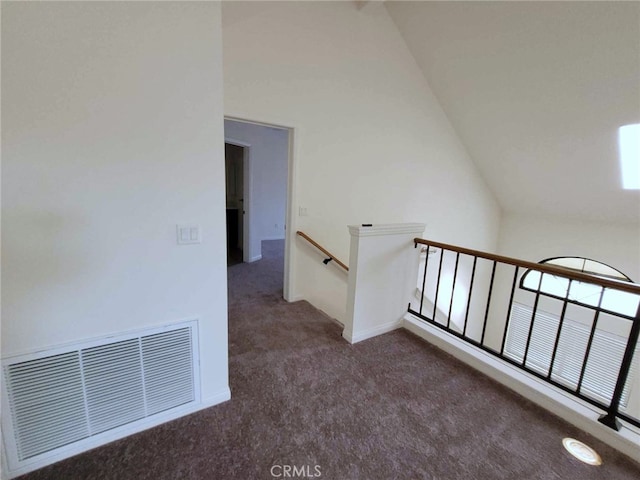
[[610, 418], [506, 326], [435, 300], [466, 315], [560, 324], [533, 318], [486, 313], [424, 279], [590, 342], [453, 288]]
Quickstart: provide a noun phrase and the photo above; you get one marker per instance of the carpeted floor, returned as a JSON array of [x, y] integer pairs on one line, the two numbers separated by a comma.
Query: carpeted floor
[[392, 407]]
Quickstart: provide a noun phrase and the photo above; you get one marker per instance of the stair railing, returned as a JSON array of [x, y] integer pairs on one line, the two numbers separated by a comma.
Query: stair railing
[[459, 291], [329, 256]]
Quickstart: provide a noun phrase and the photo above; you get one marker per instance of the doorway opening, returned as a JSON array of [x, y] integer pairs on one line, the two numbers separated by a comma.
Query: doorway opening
[[234, 172], [258, 163]]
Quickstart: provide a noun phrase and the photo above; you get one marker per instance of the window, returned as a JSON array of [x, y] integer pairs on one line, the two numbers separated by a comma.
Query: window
[[604, 361], [571, 338], [585, 294]]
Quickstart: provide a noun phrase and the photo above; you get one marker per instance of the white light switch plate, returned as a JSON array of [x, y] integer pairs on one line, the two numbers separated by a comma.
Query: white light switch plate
[[188, 234]]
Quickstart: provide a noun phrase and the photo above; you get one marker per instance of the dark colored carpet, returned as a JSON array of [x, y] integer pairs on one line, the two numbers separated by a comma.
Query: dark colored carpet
[[392, 407]]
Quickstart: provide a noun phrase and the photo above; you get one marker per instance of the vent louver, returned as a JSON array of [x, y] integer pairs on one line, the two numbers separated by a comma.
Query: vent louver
[[45, 398], [114, 386], [167, 388], [59, 399]]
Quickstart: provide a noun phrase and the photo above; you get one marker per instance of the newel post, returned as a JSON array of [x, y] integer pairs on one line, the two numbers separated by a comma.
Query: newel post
[[383, 270]]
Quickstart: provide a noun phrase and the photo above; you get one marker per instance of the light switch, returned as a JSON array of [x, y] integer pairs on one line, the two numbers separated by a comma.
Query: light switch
[[188, 234]]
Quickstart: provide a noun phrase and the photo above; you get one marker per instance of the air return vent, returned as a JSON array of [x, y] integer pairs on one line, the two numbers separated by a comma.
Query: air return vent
[[57, 398]]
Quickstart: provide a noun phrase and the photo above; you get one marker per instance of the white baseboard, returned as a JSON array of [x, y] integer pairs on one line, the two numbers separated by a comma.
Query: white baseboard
[[573, 410], [255, 259], [338, 322], [296, 298], [67, 451], [220, 396], [352, 337]]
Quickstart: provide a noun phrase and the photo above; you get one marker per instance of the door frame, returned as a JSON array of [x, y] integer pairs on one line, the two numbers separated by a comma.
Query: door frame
[[290, 218]]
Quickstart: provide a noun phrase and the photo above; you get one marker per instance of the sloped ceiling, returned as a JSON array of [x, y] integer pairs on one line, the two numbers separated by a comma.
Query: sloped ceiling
[[537, 92]]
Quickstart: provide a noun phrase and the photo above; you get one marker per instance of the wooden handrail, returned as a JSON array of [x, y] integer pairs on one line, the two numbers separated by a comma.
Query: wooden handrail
[[553, 270], [322, 249], [612, 409]]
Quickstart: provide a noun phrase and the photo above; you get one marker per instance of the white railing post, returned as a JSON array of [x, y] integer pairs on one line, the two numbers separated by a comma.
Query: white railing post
[[383, 270]]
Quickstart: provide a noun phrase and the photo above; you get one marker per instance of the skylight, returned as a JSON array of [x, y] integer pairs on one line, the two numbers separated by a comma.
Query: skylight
[[629, 144]]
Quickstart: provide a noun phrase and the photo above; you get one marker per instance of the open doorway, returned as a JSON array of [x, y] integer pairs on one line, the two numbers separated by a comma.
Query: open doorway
[[234, 172], [258, 162]]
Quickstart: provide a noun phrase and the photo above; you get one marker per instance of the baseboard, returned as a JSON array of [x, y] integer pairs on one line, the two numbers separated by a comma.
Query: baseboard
[[576, 412], [371, 332], [222, 395], [296, 298], [68, 451], [254, 259]]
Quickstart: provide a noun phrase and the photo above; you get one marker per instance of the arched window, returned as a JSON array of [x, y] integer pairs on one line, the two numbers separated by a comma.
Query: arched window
[[582, 293]]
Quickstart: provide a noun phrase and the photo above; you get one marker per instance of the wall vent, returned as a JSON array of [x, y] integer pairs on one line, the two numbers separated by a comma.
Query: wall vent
[[58, 397]]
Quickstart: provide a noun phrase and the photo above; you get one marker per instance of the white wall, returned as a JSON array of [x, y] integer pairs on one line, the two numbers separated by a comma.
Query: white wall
[[112, 135], [371, 143], [535, 239], [268, 165]]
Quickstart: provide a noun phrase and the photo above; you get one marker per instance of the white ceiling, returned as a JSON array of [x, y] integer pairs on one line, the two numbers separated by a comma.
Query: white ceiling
[[536, 92]]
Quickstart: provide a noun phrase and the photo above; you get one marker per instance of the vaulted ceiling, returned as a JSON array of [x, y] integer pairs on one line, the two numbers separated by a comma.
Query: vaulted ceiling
[[537, 92]]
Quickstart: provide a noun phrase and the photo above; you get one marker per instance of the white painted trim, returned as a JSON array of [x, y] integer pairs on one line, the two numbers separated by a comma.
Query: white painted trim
[[67, 451], [254, 259], [55, 349], [220, 396], [372, 332], [571, 409], [4, 470], [290, 220], [237, 143], [257, 122], [382, 278], [386, 229], [337, 322]]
